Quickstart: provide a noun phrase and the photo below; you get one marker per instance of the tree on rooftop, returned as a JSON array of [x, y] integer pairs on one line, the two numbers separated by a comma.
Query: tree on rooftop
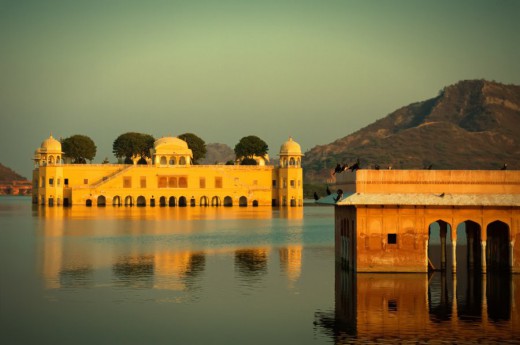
[[132, 144], [79, 148], [196, 145], [249, 147]]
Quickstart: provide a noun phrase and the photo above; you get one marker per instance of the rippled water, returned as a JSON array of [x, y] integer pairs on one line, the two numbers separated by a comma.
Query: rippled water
[[222, 276]]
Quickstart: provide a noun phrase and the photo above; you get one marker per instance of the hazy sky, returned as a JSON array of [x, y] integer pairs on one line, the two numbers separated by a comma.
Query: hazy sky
[[314, 70]]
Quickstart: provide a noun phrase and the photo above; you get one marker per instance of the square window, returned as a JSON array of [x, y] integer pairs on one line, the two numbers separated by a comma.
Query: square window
[[66, 182], [392, 238], [392, 305], [85, 181], [51, 181]]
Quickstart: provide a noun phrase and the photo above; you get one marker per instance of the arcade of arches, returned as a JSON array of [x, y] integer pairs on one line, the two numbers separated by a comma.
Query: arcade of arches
[[420, 220]]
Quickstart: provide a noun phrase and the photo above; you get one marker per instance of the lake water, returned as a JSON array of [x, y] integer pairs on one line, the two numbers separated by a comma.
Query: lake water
[[222, 276]]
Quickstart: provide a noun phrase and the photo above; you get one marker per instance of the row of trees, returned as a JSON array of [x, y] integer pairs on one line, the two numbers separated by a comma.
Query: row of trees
[[127, 146]]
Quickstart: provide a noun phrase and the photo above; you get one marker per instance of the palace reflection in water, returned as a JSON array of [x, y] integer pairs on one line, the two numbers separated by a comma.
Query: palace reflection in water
[[370, 307], [162, 254], [278, 263]]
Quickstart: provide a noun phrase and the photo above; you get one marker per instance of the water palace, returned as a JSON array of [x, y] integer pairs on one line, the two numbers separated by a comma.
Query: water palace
[[169, 179]]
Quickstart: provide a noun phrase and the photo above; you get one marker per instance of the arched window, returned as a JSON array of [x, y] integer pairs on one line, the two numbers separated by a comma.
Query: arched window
[[171, 201], [292, 162], [228, 201], [101, 200], [182, 201], [162, 201], [172, 161], [215, 201], [141, 201], [128, 201], [242, 201], [182, 161], [51, 159], [116, 201], [163, 160]]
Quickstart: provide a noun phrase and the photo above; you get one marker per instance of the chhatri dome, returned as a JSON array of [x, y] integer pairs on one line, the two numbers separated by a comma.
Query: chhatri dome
[[290, 148], [171, 151], [50, 145], [170, 144]]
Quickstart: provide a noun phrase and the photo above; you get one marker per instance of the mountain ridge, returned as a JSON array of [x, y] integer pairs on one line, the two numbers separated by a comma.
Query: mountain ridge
[[473, 124]]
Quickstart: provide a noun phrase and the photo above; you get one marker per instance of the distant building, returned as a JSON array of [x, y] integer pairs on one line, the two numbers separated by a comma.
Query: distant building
[[169, 179]]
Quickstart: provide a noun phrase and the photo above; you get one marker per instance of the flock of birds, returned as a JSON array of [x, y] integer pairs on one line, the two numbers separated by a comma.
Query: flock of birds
[[356, 166]]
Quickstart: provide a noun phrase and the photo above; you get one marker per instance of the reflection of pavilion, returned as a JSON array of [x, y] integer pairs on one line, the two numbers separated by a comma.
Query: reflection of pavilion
[[371, 306]]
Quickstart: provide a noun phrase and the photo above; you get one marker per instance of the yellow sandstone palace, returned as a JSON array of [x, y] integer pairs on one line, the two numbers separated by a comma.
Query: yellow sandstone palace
[[169, 179]]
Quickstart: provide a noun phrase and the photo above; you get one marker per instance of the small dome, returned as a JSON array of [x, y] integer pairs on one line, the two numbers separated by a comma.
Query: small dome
[[291, 147], [170, 143], [51, 144]]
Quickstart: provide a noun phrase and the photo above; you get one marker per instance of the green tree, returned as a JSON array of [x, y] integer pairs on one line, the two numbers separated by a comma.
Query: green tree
[[196, 145], [250, 146], [132, 144], [79, 148]]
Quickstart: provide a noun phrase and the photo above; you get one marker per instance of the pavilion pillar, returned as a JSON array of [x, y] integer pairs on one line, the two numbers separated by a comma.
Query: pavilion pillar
[[483, 256], [454, 255]]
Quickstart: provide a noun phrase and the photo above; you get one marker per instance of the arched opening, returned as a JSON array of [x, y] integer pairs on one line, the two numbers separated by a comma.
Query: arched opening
[[162, 201], [469, 245], [298, 162], [129, 201], [182, 161], [58, 160], [171, 201], [88, 202], [116, 201], [192, 202], [439, 234], [215, 201], [141, 201], [292, 162], [203, 201], [284, 162], [228, 201], [497, 247], [163, 160], [255, 203], [293, 202], [242, 202], [182, 201], [101, 200], [172, 161], [51, 159]]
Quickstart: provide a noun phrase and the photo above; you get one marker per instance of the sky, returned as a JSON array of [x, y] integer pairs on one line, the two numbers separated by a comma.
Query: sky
[[313, 70]]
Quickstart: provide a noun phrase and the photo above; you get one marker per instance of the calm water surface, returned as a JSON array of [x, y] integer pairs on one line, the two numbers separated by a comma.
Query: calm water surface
[[222, 276]]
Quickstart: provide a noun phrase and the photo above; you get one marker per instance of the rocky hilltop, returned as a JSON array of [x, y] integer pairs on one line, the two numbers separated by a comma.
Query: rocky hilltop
[[13, 183], [474, 124]]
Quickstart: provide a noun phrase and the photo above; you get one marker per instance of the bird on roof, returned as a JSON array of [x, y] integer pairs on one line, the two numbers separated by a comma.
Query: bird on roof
[[340, 194], [338, 169], [328, 191], [504, 167], [355, 166]]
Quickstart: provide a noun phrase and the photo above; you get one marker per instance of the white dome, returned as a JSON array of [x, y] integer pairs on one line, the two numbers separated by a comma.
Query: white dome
[[291, 148], [170, 143], [51, 144]]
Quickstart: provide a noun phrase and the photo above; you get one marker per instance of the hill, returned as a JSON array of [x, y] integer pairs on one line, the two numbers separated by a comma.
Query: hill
[[474, 124], [7, 175], [218, 154]]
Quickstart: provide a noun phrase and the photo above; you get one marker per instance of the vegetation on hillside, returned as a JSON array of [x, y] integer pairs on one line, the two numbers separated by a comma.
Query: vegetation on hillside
[[473, 124]]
